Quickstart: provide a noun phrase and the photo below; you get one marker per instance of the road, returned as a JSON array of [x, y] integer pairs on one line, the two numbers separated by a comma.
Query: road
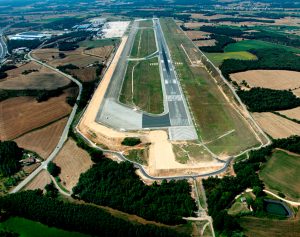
[[3, 47], [64, 135]]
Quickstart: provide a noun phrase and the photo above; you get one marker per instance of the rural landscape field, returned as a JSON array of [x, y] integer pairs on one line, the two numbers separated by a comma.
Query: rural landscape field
[[149, 118]]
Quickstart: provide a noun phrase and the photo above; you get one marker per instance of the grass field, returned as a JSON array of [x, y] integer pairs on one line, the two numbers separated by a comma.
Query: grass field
[[214, 116], [98, 43], [262, 227], [138, 155], [147, 90], [28, 228], [147, 23], [218, 58], [281, 174], [144, 43], [245, 45]]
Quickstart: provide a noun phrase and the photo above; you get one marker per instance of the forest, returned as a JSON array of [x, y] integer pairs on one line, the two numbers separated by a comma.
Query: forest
[[272, 58], [116, 185], [221, 192], [224, 30], [74, 217], [266, 100], [10, 154], [65, 23], [14, 44]]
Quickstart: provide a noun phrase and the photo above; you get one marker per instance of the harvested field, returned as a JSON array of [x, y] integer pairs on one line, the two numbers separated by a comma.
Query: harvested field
[[76, 57], [44, 140], [73, 161], [276, 126], [102, 52], [281, 174], [196, 25], [205, 42], [291, 113], [23, 114], [273, 79], [84, 74], [297, 92], [262, 227], [44, 78], [40, 181], [194, 34]]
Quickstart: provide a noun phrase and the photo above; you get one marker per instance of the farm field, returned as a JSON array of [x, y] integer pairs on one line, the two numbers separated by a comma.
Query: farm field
[[44, 78], [21, 115], [281, 174], [75, 57], [142, 86], [196, 34], [201, 43], [102, 52], [246, 45], [261, 227], [40, 181], [218, 58], [28, 228], [291, 113], [273, 79], [73, 161], [44, 140], [214, 116], [276, 126], [144, 43]]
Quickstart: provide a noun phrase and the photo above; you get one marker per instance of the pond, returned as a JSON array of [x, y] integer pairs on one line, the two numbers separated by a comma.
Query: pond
[[278, 208]]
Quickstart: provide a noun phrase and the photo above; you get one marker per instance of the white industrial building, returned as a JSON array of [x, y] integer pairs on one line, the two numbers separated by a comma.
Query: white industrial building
[[30, 36]]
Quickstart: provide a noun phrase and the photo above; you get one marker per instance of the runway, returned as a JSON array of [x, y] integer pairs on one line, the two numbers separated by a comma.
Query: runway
[[176, 117]]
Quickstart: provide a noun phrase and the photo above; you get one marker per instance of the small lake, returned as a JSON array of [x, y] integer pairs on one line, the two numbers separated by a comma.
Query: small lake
[[278, 208]]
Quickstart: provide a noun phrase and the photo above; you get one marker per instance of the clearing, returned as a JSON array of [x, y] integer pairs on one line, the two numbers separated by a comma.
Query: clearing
[[20, 115], [218, 58], [276, 126], [281, 174], [246, 45], [197, 35], [218, 123], [44, 140], [40, 78], [262, 227], [142, 86], [40, 181], [73, 161], [273, 79], [291, 113]]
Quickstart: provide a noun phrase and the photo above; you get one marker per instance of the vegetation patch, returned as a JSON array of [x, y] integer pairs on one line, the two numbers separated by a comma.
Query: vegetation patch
[[138, 155], [265, 100], [116, 185], [218, 58], [131, 141]]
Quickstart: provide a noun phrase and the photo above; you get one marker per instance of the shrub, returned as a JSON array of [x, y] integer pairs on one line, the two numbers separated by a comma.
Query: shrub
[[53, 169], [131, 141]]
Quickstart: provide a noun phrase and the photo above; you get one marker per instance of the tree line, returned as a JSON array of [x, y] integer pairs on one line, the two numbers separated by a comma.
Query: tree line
[[10, 155], [221, 42], [75, 217], [116, 185]]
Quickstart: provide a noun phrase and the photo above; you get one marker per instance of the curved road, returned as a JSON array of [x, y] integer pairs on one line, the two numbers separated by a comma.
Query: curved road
[[64, 135]]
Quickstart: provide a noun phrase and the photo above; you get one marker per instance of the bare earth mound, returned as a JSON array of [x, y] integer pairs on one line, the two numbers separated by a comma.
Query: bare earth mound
[[273, 79], [292, 113], [40, 181], [44, 140], [23, 114], [276, 126], [44, 78], [73, 161]]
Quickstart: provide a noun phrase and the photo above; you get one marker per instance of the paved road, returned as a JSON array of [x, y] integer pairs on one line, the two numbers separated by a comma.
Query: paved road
[[3, 47], [63, 137]]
